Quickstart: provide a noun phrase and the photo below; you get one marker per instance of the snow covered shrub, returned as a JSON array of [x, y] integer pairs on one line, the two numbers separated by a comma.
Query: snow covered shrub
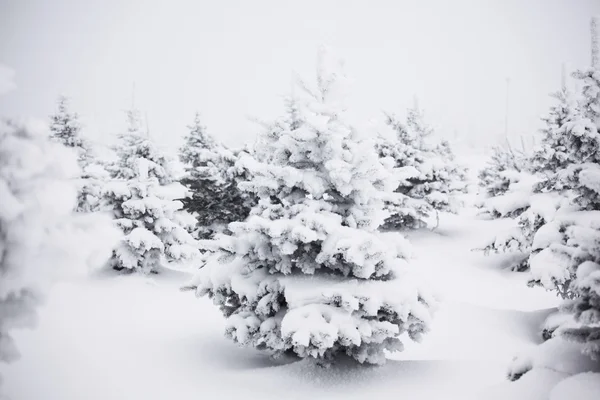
[[429, 177], [66, 129], [141, 195], [212, 179], [307, 272], [40, 236], [540, 209], [517, 240], [514, 202]]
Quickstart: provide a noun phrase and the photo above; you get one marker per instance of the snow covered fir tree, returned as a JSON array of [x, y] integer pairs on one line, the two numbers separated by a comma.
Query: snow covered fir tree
[[568, 240], [538, 190], [65, 128], [430, 179], [567, 248], [272, 130], [212, 179], [307, 273], [140, 194], [552, 154], [41, 239], [568, 138], [503, 169]]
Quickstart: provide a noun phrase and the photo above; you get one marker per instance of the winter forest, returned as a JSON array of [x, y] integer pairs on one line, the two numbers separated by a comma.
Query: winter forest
[[333, 250]]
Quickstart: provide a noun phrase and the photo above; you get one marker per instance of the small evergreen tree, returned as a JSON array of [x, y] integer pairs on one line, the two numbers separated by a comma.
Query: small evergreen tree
[[421, 132], [155, 231], [442, 179], [307, 272], [405, 211], [553, 153], [212, 180], [40, 236], [66, 129], [549, 161], [430, 178], [502, 170]]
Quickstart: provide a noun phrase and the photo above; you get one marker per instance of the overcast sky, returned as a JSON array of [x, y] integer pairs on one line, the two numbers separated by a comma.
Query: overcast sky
[[234, 59]]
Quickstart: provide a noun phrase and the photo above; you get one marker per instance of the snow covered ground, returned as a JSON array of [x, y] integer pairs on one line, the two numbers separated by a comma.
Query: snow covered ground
[[134, 337]]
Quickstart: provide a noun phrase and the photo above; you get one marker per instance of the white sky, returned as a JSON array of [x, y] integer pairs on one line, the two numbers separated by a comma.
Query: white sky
[[233, 59]]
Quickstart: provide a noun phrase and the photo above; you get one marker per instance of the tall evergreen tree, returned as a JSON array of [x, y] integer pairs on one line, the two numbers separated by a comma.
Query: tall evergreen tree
[[307, 272], [212, 180], [569, 259], [582, 231], [155, 230]]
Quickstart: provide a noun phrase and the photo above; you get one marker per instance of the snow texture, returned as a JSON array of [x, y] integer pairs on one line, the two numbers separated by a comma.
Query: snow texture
[[95, 328], [584, 386], [40, 237]]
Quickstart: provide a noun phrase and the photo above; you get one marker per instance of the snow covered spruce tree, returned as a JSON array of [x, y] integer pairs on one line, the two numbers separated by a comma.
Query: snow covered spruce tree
[[503, 169], [585, 286], [569, 256], [430, 179], [578, 180], [272, 130], [66, 129], [553, 152], [441, 178], [142, 196], [307, 273], [399, 145], [548, 193], [41, 238], [212, 179]]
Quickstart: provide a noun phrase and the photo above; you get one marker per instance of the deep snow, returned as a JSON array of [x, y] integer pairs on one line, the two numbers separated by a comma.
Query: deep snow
[[133, 337]]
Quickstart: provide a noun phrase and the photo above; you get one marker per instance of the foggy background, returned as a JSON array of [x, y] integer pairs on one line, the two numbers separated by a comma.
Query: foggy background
[[232, 60]]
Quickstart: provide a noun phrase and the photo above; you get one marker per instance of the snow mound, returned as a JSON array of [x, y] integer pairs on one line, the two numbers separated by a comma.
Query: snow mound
[[585, 386]]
